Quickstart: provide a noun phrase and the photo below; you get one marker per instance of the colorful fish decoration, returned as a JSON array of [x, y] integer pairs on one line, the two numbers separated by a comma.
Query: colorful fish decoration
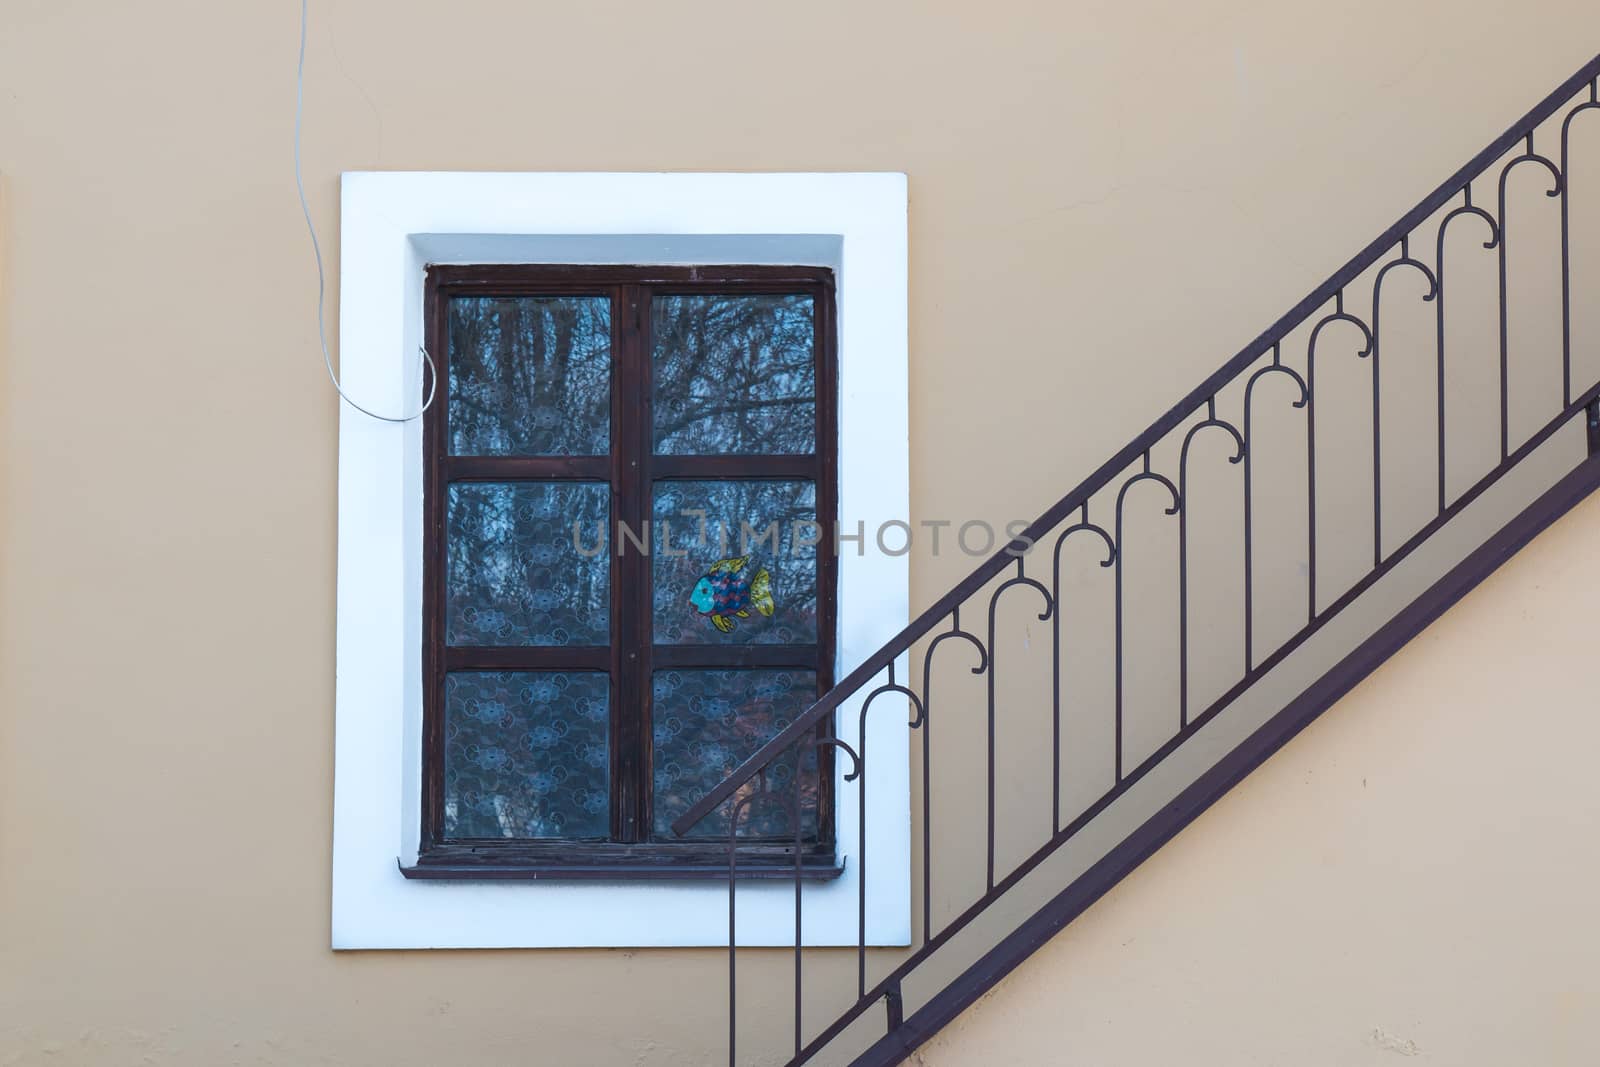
[[728, 590]]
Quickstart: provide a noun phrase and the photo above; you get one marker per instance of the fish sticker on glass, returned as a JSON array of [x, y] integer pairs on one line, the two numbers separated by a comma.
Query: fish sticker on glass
[[729, 589]]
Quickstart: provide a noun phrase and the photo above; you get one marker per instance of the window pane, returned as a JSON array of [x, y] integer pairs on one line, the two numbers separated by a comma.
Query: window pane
[[750, 577], [525, 754], [515, 575], [708, 722], [734, 374], [530, 376]]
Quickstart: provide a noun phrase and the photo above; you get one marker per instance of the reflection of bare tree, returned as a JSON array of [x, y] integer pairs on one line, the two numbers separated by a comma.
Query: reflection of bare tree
[[513, 576], [734, 374], [707, 722], [526, 754], [530, 376]]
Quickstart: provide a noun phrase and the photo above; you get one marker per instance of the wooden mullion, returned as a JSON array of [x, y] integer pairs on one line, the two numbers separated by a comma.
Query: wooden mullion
[[774, 287], [736, 468], [527, 468], [736, 657], [513, 280], [629, 576], [619, 601], [527, 658], [640, 303]]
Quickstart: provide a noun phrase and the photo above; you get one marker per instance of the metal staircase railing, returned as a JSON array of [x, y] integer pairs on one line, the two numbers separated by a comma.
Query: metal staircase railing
[[1273, 354]]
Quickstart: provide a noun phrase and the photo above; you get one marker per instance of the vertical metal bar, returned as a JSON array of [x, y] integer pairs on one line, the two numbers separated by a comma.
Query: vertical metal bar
[[989, 843], [795, 814], [1505, 361], [1311, 475], [1249, 569], [1466, 193], [1566, 275], [1592, 418], [861, 859], [1117, 657], [1377, 419], [1183, 578], [927, 789], [1055, 690], [894, 1006], [733, 983]]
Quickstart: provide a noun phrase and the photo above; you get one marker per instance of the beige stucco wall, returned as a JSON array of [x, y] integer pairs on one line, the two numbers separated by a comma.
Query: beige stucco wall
[[1413, 876], [1107, 199]]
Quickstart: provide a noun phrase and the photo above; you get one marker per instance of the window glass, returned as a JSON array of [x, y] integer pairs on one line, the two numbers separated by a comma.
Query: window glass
[[749, 576], [734, 375], [515, 575], [707, 722], [530, 376], [525, 754]]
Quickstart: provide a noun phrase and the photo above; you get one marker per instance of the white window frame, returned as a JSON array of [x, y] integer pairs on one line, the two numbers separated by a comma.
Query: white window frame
[[393, 225]]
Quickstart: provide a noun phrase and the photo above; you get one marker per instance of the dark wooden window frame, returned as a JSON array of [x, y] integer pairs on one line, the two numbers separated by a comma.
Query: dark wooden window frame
[[630, 470]]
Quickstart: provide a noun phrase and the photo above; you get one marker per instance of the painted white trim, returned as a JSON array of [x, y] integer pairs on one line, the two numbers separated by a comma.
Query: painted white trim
[[393, 224]]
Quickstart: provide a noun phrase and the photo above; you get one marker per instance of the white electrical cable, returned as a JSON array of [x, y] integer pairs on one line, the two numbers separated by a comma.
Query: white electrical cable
[[316, 250]]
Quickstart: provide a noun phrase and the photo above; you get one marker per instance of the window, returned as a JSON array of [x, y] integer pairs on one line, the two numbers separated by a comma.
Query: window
[[628, 563], [397, 228]]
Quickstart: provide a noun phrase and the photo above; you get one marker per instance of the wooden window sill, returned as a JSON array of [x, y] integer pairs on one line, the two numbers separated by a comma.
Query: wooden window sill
[[811, 870]]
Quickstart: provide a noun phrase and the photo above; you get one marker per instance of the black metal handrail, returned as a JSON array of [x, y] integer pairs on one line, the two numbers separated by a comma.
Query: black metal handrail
[[1392, 250], [923, 624]]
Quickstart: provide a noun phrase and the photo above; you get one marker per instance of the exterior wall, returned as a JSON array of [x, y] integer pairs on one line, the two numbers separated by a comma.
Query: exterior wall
[[1413, 875], [1107, 198]]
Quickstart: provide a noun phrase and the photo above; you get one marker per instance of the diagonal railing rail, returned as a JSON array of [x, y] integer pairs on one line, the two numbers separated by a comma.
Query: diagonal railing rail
[[1268, 355]]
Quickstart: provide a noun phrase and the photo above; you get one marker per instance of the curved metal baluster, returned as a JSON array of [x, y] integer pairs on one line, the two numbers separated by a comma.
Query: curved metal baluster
[[927, 772], [1339, 315], [1083, 523], [861, 801], [1466, 208], [1049, 608], [1528, 156], [1145, 475], [1276, 367], [1566, 246], [1183, 549], [1405, 260]]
